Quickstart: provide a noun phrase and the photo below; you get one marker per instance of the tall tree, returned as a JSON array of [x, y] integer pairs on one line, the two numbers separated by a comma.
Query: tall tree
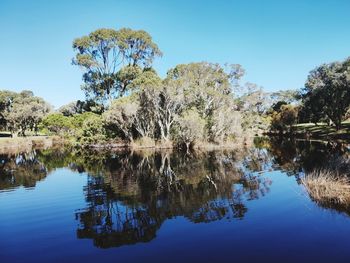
[[328, 88], [104, 53]]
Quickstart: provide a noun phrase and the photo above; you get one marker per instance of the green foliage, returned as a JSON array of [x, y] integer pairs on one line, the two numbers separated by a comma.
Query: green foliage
[[111, 59], [79, 119], [194, 102], [93, 130], [22, 111], [327, 93], [84, 128], [6, 99], [284, 118], [56, 123], [253, 103]]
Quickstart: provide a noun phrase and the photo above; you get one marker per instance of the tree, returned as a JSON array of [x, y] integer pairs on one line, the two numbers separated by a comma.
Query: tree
[[6, 99], [121, 116], [191, 127], [206, 86], [57, 123], [26, 112], [147, 88], [289, 96], [155, 105], [253, 103], [328, 88], [111, 58], [284, 118], [93, 130], [225, 122], [278, 105], [254, 99], [74, 107]]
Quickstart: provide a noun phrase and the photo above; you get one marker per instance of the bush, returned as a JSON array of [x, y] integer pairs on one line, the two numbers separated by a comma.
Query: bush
[[56, 123], [284, 119], [190, 127], [93, 130]]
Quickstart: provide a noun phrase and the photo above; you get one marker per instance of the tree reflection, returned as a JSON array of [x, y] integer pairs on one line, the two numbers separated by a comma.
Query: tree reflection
[[130, 194], [138, 192], [21, 169], [298, 156]]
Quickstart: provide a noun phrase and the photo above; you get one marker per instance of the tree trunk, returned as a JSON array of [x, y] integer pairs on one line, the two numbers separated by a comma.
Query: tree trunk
[[188, 147]]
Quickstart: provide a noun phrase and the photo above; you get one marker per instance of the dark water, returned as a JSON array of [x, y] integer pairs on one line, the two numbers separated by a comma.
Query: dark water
[[247, 205]]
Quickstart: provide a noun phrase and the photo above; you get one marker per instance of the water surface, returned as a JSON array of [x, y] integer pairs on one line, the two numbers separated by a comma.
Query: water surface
[[245, 205]]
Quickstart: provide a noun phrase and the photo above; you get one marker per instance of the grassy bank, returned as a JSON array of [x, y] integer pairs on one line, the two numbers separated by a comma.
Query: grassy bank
[[330, 184], [326, 186], [17, 144], [322, 130]]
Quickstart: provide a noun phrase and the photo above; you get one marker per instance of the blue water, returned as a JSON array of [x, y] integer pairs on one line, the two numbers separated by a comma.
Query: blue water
[[41, 223]]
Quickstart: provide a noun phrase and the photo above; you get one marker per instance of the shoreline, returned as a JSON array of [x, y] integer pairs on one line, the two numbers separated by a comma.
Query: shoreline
[[17, 144]]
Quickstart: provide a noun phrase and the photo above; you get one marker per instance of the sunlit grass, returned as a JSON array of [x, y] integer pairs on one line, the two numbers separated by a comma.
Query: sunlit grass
[[326, 185]]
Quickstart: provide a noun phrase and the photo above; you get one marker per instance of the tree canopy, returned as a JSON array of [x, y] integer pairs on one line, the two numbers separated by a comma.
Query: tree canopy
[[22, 111], [111, 59], [327, 92]]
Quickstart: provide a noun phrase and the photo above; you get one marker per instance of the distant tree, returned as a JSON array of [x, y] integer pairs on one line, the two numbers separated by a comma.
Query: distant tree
[[111, 59], [328, 89], [289, 96], [6, 99], [285, 118], [74, 107], [26, 112], [205, 86], [278, 105], [57, 123], [253, 103]]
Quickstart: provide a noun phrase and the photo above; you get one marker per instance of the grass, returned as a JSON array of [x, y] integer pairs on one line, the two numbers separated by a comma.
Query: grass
[[327, 186], [17, 144], [323, 131]]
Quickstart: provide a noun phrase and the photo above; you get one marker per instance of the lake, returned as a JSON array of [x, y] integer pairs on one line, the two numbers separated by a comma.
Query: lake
[[242, 205]]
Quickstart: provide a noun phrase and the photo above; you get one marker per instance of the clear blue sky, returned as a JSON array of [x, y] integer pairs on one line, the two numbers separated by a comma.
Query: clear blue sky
[[277, 42]]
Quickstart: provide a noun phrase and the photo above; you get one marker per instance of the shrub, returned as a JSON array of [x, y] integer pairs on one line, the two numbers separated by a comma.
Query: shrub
[[93, 130], [56, 123]]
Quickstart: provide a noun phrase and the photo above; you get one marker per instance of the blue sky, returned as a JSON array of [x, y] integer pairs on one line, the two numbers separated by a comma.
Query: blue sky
[[277, 42]]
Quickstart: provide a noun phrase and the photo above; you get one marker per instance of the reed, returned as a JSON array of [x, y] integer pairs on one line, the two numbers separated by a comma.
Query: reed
[[327, 186]]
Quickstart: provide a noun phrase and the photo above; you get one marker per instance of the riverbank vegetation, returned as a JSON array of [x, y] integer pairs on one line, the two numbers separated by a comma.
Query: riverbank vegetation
[[196, 104], [324, 99], [128, 103], [329, 185]]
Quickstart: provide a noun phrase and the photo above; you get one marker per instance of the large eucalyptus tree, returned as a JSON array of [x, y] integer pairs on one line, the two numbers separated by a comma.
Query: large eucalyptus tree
[[111, 59]]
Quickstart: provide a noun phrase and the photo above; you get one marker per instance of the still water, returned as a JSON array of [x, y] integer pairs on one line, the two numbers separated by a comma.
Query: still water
[[245, 205]]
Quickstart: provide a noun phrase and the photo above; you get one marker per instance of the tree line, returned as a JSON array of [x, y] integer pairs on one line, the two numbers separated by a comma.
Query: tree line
[[325, 98], [126, 100]]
